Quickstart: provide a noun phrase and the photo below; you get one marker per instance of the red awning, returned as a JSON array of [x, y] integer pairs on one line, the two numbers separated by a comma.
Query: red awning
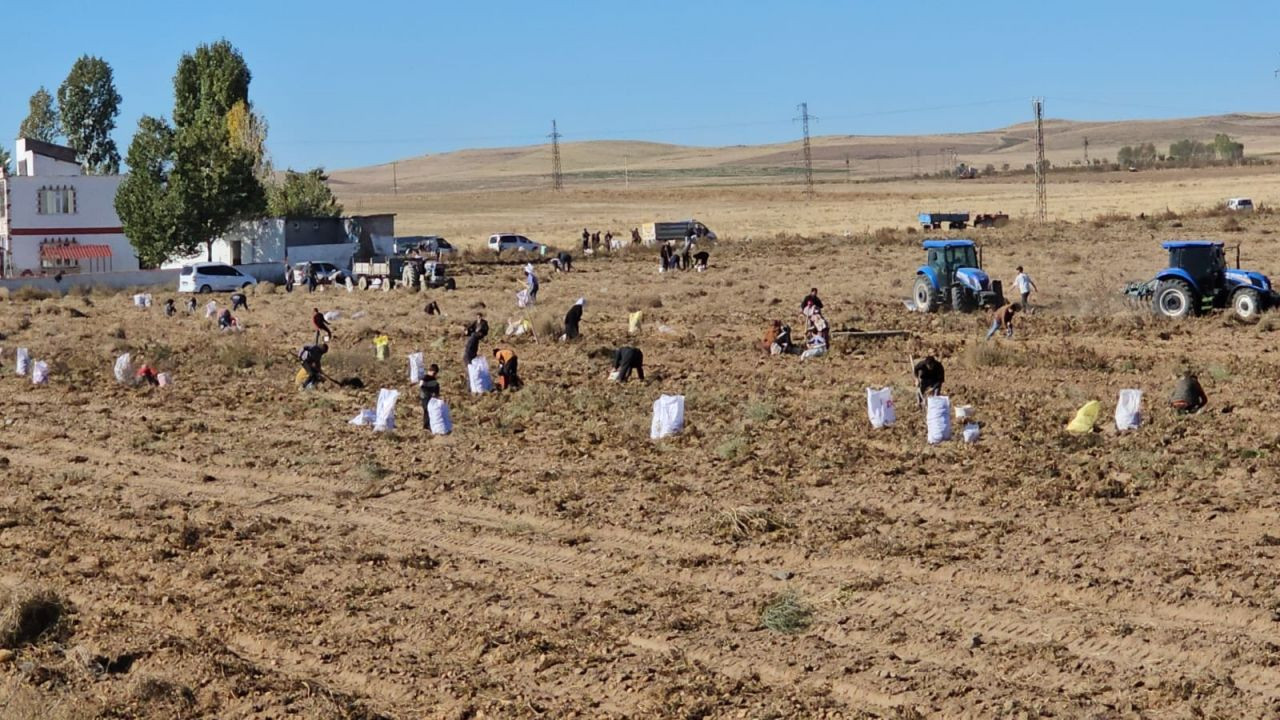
[[74, 252]]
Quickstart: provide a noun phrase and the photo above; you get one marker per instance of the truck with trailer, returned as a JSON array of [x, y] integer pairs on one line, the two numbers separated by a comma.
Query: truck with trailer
[[659, 232]]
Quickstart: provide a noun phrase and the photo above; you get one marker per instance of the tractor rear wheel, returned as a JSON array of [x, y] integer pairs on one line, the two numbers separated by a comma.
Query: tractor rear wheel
[[1174, 299], [1247, 304], [924, 295]]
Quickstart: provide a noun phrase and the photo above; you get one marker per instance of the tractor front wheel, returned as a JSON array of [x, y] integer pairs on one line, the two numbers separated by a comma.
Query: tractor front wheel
[[924, 295], [1247, 304], [1174, 299], [962, 301]]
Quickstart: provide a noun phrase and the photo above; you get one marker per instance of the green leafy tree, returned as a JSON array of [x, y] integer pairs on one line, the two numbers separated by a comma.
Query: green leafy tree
[[5, 167], [88, 104], [304, 194], [1125, 156], [209, 83], [41, 122], [209, 169], [212, 185], [1227, 149], [143, 202]]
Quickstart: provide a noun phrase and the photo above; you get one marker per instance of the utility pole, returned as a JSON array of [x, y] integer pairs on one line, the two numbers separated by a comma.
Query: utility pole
[[915, 169], [626, 172], [557, 178], [1086, 151], [848, 174], [804, 118], [395, 183], [1042, 206]]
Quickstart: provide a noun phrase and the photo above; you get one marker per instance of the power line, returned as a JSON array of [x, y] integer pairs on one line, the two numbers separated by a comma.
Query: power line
[[557, 177], [1042, 209], [808, 151]]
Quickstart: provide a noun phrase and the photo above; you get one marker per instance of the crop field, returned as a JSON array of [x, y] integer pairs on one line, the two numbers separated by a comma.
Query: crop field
[[230, 547]]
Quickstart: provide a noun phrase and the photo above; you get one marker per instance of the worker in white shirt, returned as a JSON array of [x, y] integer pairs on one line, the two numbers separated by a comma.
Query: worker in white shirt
[[1025, 287]]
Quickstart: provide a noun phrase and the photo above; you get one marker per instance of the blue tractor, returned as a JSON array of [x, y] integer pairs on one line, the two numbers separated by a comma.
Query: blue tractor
[[953, 277], [1198, 279]]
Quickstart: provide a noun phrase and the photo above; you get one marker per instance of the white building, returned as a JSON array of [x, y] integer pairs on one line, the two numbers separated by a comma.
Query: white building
[[273, 240], [55, 219]]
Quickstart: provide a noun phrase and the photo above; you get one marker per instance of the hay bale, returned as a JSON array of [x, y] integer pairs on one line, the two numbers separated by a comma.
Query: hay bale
[[26, 615], [264, 288]]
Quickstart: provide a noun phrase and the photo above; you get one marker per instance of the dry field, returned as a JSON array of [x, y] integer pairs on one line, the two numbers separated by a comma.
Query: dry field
[[230, 547]]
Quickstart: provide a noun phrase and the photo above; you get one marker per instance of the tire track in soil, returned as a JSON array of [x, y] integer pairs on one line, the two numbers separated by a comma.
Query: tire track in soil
[[523, 554], [572, 562]]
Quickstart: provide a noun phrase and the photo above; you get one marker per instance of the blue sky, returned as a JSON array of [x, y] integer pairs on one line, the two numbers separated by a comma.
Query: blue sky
[[344, 84]]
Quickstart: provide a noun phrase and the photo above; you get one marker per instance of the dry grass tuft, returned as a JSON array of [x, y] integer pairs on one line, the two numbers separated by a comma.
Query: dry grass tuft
[[1110, 218], [786, 614], [264, 288], [990, 354], [31, 293], [746, 522], [26, 615]]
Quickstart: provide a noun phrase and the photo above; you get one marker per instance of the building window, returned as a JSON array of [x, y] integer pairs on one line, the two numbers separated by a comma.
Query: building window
[[56, 200]]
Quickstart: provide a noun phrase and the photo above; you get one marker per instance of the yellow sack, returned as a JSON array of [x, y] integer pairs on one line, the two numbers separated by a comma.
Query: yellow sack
[[633, 323], [1085, 418], [300, 377], [382, 347]]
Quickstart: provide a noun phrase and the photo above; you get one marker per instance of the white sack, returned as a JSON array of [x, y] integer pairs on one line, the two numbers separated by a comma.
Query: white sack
[[386, 412], [478, 375], [438, 417], [124, 369], [971, 432], [668, 416], [1128, 410], [939, 419], [164, 379], [364, 417], [416, 369], [880, 409], [40, 373], [22, 361], [522, 298], [332, 315], [211, 309]]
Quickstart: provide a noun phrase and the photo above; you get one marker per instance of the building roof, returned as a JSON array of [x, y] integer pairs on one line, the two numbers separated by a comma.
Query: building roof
[[1175, 244], [57, 152], [946, 243], [74, 252]]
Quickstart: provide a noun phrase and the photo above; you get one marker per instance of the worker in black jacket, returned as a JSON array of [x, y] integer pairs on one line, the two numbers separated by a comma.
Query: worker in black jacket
[[428, 390], [626, 359]]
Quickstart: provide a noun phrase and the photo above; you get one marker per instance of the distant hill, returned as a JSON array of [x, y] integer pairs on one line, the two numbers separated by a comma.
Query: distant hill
[[649, 163]]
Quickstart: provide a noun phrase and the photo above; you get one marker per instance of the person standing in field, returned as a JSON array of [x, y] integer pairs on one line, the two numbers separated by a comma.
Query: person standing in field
[[1026, 286], [428, 390]]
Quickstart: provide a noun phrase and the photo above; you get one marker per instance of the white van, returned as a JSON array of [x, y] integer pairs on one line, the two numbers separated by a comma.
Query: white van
[[209, 277], [1240, 204], [512, 241]]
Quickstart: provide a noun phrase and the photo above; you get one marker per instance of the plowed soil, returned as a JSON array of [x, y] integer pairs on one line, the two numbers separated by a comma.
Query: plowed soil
[[229, 547]]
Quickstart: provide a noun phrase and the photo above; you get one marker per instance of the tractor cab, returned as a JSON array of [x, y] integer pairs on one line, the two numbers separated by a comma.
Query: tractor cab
[[1198, 278], [952, 275], [1203, 262]]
